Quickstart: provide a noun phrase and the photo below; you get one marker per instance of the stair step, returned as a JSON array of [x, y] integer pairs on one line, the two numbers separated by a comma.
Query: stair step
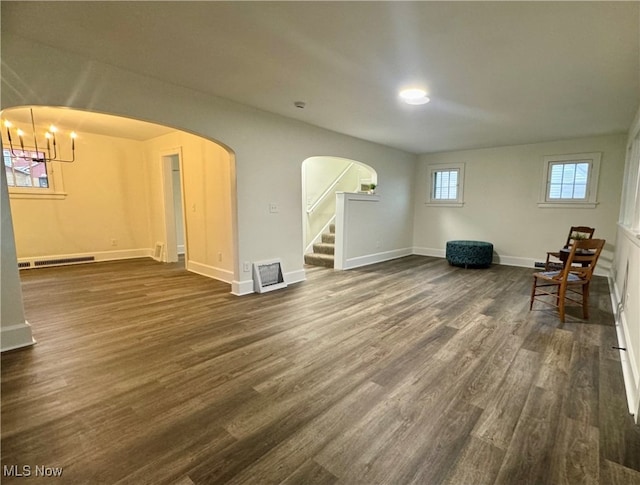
[[329, 238], [324, 248], [318, 259]]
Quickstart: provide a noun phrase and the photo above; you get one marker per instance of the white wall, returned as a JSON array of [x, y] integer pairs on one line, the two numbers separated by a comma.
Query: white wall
[[208, 193], [501, 192], [15, 331], [268, 149], [625, 277], [318, 175], [105, 211]]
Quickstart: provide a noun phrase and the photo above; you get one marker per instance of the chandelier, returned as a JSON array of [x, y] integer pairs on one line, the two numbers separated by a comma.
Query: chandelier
[[29, 149]]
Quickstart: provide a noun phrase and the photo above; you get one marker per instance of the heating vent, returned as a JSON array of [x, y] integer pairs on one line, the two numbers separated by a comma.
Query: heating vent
[[24, 264], [56, 262], [267, 276]]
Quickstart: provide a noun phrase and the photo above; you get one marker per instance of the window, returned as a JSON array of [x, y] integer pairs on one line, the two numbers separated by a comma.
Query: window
[[29, 176], [446, 185], [25, 169], [570, 180]]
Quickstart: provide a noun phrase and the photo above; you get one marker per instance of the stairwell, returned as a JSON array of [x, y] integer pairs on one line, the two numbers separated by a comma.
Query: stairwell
[[323, 252]]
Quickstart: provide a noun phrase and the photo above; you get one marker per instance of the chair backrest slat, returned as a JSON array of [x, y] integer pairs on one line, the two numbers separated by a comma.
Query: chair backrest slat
[[583, 232], [585, 253]]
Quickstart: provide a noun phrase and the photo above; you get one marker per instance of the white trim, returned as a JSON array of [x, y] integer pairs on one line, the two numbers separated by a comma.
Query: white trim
[[439, 167], [342, 221], [630, 235], [16, 336], [223, 275], [567, 205], [433, 252], [242, 288], [32, 195], [629, 372], [295, 276], [497, 259], [54, 191], [170, 254], [360, 196], [591, 199], [376, 258]]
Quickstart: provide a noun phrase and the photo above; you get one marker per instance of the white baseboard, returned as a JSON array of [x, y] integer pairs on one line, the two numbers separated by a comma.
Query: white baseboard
[[210, 271], [498, 259], [627, 357], [434, 253], [245, 287], [368, 259], [16, 336], [241, 288], [295, 276]]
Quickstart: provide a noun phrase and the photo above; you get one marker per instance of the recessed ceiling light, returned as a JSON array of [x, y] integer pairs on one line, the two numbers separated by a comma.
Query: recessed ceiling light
[[414, 96]]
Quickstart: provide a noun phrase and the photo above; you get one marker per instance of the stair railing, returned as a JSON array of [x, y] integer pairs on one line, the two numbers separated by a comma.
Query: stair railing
[[329, 189]]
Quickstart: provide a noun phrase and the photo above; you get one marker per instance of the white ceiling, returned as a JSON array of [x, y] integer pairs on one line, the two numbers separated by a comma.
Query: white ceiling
[[86, 122], [498, 73]]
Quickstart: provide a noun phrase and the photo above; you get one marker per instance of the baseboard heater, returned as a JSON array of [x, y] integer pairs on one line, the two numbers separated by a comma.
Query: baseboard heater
[[41, 263], [267, 276]]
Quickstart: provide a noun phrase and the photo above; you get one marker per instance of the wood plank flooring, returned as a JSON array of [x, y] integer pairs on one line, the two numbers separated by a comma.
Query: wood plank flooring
[[405, 372]]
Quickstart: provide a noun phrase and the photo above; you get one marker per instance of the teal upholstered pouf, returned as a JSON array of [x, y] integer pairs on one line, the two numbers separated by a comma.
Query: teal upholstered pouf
[[469, 253]]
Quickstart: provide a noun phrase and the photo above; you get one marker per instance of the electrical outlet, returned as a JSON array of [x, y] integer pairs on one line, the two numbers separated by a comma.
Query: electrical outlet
[[219, 256], [114, 242], [246, 267], [274, 207]]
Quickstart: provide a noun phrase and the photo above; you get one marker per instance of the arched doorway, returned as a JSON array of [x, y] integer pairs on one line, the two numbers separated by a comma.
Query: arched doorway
[[322, 178], [113, 200]]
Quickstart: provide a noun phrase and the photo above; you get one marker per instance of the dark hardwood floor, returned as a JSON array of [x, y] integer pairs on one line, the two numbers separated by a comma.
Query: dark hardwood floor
[[406, 372]]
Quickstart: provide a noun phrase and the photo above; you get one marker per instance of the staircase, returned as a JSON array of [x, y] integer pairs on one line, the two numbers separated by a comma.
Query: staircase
[[323, 252]]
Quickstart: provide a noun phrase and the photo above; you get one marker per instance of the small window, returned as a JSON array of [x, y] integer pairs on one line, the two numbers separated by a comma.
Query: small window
[[26, 169], [28, 175], [570, 180], [446, 184]]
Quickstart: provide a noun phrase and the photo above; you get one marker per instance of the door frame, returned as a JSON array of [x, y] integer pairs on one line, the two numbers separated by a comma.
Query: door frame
[[170, 253]]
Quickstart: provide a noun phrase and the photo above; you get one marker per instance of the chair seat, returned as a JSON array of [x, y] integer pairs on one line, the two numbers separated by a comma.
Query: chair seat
[[553, 275], [571, 283]]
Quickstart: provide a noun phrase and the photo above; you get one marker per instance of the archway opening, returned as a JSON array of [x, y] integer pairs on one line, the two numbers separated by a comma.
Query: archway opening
[[322, 178], [120, 198]]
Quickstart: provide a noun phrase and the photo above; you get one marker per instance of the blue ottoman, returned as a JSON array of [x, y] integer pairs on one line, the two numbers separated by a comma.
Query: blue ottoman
[[469, 253]]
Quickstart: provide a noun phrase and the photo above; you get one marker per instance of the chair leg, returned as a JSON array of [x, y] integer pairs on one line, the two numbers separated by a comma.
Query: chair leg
[[562, 291], [585, 301], [533, 293]]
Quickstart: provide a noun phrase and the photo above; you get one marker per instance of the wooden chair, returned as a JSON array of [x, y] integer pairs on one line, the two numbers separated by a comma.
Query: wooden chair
[[571, 283], [581, 232]]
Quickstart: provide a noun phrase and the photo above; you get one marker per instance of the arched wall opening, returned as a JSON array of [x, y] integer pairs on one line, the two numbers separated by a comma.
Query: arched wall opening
[[322, 178], [117, 200]]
